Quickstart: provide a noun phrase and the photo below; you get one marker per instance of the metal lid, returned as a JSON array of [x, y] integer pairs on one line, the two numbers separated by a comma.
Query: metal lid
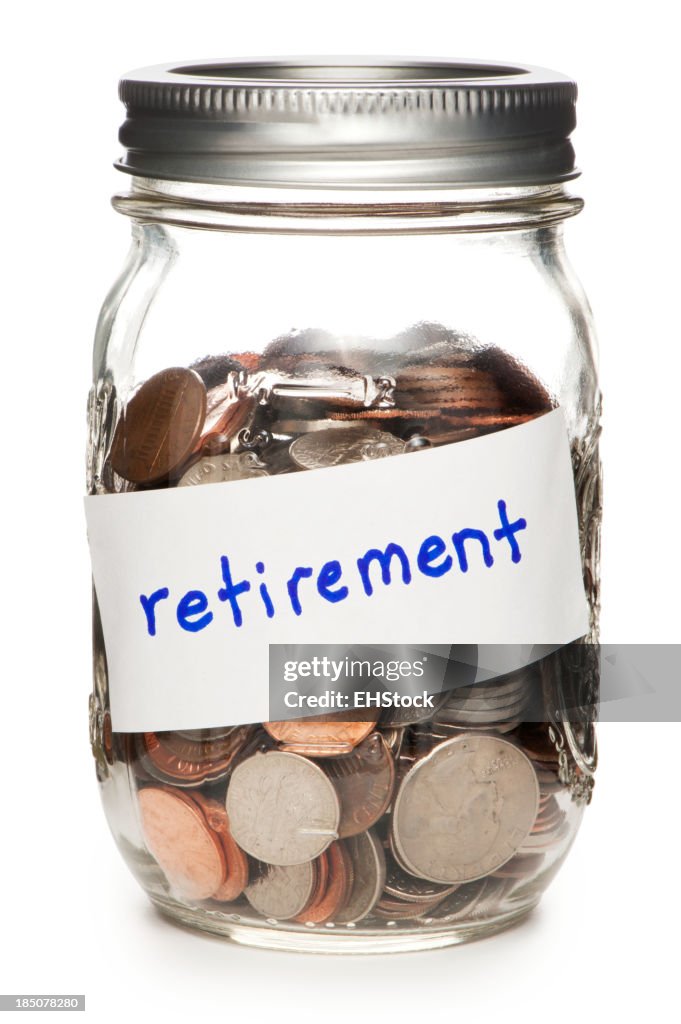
[[349, 123]]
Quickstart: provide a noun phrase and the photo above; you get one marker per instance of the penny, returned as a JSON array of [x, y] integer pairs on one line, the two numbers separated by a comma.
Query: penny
[[170, 758], [282, 808], [178, 837], [368, 864], [220, 469], [281, 892], [160, 426], [236, 878], [228, 410], [364, 782], [453, 387], [322, 735], [335, 892], [324, 448], [465, 809]]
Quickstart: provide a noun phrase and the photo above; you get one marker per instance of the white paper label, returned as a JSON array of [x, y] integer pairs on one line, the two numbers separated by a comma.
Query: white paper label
[[474, 542]]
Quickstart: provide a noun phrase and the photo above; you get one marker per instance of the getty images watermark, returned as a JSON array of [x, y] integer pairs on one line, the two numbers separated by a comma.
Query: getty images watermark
[[614, 682]]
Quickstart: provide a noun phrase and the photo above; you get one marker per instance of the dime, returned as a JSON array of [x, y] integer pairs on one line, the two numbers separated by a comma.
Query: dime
[[334, 447], [281, 892], [178, 837], [160, 426], [368, 863], [282, 808], [464, 809], [364, 782], [322, 735], [220, 469]]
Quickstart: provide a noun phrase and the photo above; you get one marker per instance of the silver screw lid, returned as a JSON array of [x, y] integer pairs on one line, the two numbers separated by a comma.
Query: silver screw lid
[[349, 123]]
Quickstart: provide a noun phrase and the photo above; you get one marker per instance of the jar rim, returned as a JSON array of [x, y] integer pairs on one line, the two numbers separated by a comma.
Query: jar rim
[[349, 123]]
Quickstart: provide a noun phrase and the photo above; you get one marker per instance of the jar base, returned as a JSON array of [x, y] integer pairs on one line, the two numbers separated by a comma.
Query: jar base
[[339, 939]]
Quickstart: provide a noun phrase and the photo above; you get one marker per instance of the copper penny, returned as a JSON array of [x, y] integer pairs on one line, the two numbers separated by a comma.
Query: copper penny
[[364, 782], [236, 860], [322, 735], [179, 838], [227, 413], [336, 891], [172, 757], [160, 426]]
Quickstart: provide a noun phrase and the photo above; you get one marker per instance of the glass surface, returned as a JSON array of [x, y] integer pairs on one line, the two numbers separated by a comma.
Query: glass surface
[[455, 319]]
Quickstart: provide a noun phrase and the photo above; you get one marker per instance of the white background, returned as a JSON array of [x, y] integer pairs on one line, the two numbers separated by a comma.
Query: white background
[[72, 919]]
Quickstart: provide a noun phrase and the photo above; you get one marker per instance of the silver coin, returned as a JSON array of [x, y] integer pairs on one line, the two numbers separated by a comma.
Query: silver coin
[[398, 718], [489, 691], [465, 809], [482, 703], [402, 886], [368, 863], [443, 729], [459, 904], [333, 447], [223, 468], [457, 715], [282, 808], [282, 892], [295, 427]]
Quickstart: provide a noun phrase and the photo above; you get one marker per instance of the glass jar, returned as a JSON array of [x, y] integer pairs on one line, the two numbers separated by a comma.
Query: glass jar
[[334, 267]]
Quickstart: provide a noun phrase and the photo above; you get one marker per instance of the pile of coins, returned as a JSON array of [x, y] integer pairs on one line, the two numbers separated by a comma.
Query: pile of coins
[[432, 817]]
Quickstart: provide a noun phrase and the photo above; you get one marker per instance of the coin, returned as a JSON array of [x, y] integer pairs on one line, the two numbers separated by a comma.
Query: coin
[[220, 469], [364, 782], [169, 757], [458, 716], [459, 904], [228, 410], [335, 893], [160, 426], [368, 863], [451, 387], [322, 735], [282, 808], [399, 717], [334, 447], [236, 876], [281, 891], [178, 837], [464, 809], [403, 886]]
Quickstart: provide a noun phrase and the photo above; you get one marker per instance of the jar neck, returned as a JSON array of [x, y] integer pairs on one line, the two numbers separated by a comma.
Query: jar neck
[[315, 211]]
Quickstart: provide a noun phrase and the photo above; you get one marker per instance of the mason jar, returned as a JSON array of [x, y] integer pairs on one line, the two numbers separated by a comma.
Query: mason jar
[[344, 501]]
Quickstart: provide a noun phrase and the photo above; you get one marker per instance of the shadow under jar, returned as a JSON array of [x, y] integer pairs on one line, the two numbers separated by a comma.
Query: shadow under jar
[[344, 395]]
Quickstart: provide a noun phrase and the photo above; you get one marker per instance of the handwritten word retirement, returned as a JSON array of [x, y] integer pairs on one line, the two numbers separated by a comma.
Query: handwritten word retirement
[[374, 569]]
